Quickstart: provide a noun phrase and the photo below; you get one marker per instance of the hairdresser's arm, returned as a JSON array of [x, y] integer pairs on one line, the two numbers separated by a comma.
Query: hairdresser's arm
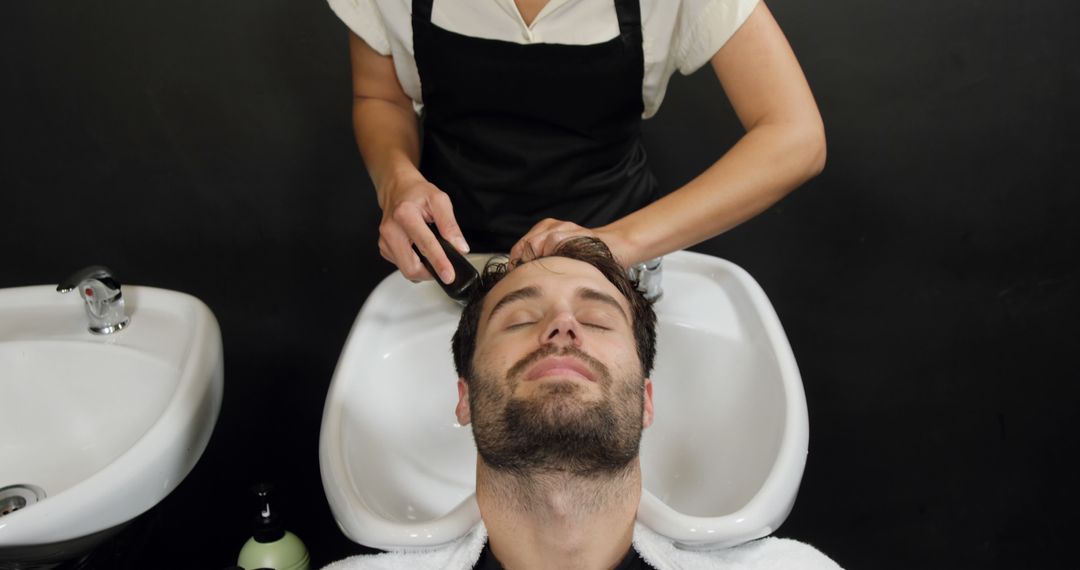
[[387, 133], [784, 146]]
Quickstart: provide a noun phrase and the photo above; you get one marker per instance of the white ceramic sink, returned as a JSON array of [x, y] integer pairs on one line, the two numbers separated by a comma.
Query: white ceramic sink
[[721, 464], [97, 429]]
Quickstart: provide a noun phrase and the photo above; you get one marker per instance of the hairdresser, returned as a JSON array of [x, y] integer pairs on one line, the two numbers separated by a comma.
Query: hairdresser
[[529, 116]]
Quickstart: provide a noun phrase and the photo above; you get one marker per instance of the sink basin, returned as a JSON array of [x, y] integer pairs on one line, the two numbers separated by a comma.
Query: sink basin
[[97, 429], [721, 463]]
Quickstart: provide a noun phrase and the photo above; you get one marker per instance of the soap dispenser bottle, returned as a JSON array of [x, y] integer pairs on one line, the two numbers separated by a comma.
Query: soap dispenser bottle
[[271, 546]]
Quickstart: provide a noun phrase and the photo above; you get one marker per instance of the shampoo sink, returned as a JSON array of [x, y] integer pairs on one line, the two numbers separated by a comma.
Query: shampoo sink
[[97, 429], [721, 464]]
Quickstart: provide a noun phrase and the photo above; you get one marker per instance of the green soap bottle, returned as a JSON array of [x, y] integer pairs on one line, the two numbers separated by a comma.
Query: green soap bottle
[[272, 547]]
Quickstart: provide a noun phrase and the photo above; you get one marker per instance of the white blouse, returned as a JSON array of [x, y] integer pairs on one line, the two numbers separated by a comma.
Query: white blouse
[[678, 34]]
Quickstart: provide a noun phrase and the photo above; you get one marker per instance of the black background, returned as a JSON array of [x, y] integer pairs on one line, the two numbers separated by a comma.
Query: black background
[[927, 280]]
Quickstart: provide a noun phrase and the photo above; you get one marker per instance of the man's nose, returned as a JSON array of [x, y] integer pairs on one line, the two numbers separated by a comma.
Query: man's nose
[[563, 329]]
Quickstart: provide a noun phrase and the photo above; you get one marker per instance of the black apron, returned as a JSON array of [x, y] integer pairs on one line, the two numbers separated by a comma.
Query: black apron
[[518, 133]]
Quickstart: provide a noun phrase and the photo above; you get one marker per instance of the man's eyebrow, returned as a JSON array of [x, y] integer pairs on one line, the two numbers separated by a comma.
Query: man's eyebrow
[[595, 295], [516, 295]]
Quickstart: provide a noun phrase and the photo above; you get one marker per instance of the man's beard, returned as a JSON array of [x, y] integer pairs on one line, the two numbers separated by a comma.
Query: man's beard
[[555, 430]]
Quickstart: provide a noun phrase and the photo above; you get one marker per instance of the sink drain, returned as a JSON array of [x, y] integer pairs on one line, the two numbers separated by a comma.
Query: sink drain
[[15, 497]]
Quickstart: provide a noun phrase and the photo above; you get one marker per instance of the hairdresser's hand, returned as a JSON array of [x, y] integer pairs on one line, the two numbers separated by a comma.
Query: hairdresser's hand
[[547, 234], [408, 206]]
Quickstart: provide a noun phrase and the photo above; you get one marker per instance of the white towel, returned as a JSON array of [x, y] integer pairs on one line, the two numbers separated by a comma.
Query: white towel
[[462, 554], [768, 553]]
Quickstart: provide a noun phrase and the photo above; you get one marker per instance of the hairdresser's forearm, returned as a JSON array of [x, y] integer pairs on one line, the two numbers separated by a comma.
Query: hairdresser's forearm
[[389, 141], [768, 162]]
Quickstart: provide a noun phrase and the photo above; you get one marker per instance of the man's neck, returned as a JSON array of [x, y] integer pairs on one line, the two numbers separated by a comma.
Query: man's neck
[[556, 520]]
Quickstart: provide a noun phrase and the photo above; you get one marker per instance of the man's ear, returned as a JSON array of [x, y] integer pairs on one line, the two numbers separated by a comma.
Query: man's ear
[[647, 412], [462, 410]]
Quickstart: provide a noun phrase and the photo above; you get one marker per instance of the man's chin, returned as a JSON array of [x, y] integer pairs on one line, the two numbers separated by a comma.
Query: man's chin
[[559, 394], [557, 389], [557, 406]]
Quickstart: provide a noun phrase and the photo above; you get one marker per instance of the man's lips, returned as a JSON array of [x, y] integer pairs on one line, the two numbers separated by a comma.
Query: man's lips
[[560, 366]]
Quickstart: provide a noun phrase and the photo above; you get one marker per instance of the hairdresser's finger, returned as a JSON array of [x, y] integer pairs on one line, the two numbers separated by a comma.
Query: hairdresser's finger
[[399, 246], [420, 235], [442, 210], [521, 251]]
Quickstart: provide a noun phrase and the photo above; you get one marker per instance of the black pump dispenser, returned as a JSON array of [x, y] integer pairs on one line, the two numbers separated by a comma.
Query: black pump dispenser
[[271, 546], [267, 522]]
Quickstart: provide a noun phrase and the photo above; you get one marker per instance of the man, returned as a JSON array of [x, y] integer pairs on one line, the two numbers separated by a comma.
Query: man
[[553, 357]]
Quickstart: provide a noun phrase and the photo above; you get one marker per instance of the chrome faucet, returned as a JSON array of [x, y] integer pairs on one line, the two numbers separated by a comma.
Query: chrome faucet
[[104, 302], [647, 276]]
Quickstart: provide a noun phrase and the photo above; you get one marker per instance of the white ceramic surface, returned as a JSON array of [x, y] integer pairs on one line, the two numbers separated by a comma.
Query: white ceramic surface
[[106, 425], [721, 464]]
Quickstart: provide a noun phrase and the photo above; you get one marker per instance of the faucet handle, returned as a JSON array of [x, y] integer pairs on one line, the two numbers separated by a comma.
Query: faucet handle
[[101, 292], [647, 276], [99, 273]]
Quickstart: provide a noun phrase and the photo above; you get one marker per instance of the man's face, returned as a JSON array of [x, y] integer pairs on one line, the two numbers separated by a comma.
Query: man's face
[[558, 384]]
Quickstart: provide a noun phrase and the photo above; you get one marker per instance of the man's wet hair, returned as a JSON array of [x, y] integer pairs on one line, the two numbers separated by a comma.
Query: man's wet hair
[[586, 249]]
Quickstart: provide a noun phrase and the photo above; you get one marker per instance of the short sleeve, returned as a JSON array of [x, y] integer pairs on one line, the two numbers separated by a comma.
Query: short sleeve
[[364, 19], [704, 27]]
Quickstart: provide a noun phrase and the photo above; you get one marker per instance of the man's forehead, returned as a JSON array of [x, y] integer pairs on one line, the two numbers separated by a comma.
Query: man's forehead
[[549, 274]]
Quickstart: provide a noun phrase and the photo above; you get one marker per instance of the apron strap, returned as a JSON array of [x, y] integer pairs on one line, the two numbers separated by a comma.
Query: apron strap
[[629, 14], [421, 10]]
